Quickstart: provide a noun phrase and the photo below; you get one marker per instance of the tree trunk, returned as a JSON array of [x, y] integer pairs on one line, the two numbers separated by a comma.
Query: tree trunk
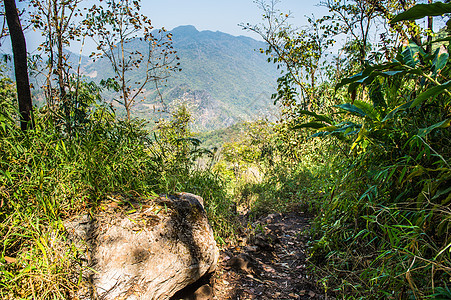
[[430, 28], [20, 63]]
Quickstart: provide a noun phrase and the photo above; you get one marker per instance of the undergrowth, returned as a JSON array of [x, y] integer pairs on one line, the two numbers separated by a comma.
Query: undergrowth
[[48, 176]]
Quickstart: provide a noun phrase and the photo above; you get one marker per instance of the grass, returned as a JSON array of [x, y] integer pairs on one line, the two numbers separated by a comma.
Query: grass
[[47, 176], [378, 232]]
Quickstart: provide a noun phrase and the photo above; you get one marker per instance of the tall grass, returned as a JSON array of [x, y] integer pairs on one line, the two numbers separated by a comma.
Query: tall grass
[[48, 175]]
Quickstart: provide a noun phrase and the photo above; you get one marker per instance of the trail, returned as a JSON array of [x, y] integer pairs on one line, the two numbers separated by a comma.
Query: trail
[[272, 264]]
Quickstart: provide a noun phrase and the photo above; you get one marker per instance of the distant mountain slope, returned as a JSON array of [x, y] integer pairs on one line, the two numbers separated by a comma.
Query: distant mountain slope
[[223, 80]]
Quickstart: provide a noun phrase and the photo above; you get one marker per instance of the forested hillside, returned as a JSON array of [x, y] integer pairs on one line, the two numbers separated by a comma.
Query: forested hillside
[[359, 155], [224, 79]]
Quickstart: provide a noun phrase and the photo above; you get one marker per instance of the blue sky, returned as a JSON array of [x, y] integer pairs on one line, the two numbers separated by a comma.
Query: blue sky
[[214, 15], [222, 15]]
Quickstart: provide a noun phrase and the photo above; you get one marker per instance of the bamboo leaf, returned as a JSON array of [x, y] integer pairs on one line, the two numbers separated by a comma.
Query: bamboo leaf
[[348, 80], [329, 128], [429, 93], [352, 109], [425, 131], [391, 73], [323, 118], [422, 10], [440, 60], [368, 109], [360, 137], [441, 193], [411, 54], [314, 125], [401, 107]]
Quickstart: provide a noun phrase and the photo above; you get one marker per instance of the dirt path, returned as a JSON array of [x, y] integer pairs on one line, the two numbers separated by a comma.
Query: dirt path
[[271, 265]]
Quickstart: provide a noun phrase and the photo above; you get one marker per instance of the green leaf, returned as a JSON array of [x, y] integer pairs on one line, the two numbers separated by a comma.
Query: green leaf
[[391, 73], [432, 92], [323, 118], [352, 109], [441, 192], [425, 131], [422, 10], [392, 113], [368, 109], [375, 93], [320, 134], [368, 75], [348, 80], [440, 60], [411, 55], [314, 125]]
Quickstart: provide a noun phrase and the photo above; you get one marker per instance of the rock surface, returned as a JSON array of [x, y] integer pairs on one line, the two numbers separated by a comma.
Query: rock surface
[[144, 250]]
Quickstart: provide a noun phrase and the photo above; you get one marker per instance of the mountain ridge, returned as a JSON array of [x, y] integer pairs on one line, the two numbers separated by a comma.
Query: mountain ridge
[[224, 79]]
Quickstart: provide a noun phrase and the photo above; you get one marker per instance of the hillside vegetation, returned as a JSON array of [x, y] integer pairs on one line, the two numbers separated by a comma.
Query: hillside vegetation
[[362, 144], [223, 79]]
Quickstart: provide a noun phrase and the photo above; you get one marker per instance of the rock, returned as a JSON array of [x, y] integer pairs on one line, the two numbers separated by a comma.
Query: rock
[[265, 242], [144, 250], [271, 218], [205, 292], [242, 262], [200, 290]]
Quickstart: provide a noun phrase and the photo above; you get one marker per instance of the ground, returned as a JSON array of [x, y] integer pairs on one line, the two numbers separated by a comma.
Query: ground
[[270, 264]]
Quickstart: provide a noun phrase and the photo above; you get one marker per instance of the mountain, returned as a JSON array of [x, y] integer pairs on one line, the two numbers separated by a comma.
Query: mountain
[[224, 78]]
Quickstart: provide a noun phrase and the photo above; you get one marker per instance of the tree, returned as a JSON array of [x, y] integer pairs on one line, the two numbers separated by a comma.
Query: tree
[[20, 63], [55, 20], [117, 29], [298, 53]]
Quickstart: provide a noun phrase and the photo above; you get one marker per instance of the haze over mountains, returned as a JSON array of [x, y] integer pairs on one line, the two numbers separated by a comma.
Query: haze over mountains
[[224, 79]]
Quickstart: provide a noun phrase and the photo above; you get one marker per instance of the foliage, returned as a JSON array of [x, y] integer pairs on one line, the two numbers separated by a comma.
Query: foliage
[[299, 54], [402, 163], [382, 226], [185, 166], [363, 143], [223, 80], [115, 29], [55, 20], [48, 176], [79, 153]]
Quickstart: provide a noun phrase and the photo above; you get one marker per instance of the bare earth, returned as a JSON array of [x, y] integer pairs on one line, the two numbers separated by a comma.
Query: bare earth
[[270, 265]]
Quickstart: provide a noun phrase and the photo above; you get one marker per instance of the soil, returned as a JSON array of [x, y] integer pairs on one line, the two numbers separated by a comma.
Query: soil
[[270, 264]]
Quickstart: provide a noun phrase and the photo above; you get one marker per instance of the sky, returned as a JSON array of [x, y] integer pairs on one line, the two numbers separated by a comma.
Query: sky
[[214, 15], [221, 15]]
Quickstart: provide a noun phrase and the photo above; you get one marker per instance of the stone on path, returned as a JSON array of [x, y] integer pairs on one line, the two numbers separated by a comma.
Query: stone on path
[[144, 250]]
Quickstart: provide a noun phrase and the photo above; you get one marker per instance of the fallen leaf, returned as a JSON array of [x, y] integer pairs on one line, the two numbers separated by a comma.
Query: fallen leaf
[[311, 294], [268, 269], [10, 260], [113, 205]]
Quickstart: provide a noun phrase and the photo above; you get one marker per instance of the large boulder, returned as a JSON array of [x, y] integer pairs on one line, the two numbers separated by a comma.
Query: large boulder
[[144, 250]]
